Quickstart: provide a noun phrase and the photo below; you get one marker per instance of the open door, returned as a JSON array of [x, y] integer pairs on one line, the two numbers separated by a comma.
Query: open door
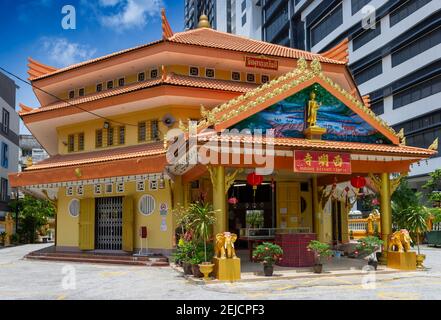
[[87, 224], [127, 225]]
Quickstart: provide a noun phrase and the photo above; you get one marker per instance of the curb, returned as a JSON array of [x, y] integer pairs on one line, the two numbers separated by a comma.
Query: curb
[[200, 281]]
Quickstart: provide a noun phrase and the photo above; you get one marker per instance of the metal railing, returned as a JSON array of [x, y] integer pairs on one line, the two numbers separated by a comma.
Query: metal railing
[[271, 232]]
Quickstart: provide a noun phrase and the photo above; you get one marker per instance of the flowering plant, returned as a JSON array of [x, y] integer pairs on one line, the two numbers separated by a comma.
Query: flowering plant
[[321, 250], [268, 253], [369, 245]]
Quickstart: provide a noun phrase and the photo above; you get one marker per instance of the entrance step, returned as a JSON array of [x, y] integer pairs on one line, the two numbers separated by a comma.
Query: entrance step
[[122, 259]]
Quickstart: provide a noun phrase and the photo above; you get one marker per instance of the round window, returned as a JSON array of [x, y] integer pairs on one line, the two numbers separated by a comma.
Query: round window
[[74, 207], [146, 204]]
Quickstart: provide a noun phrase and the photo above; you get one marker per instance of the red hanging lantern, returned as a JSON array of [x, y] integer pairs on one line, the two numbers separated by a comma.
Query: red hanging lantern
[[358, 182], [254, 180]]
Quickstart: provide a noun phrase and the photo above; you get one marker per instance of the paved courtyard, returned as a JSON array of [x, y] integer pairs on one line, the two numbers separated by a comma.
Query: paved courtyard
[[25, 279]]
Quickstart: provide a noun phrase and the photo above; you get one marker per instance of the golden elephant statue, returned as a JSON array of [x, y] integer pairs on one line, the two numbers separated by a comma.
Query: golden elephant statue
[[399, 241], [225, 245]]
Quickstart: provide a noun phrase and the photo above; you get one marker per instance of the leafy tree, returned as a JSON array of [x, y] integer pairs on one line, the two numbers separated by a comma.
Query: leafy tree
[[403, 198], [33, 215], [433, 185]]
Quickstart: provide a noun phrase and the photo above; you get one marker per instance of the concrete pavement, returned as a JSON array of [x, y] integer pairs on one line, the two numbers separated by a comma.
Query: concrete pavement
[[26, 279]]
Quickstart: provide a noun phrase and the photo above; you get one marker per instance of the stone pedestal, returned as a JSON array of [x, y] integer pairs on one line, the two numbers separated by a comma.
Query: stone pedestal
[[314, 133], [401, 260], [227, 269]]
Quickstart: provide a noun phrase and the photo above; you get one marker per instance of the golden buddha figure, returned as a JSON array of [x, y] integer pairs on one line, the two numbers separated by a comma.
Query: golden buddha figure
[[313, 107]]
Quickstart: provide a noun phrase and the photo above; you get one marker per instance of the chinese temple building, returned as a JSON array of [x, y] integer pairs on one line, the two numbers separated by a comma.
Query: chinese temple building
[[293, 117]]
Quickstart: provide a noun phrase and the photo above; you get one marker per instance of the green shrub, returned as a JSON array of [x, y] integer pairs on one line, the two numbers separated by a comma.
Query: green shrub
[[268, 253], [321, 250]]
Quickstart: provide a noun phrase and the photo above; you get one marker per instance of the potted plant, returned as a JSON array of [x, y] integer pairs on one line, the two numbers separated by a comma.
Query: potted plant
[[268, 253], [196, 260], [369, 246], [201, 223], [416, 218], [321, 251], [3, 236]]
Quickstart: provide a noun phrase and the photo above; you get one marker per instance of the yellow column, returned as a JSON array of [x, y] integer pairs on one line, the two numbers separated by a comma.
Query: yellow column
[[386, 213], [316, 207], [178, 192], [219, 199]]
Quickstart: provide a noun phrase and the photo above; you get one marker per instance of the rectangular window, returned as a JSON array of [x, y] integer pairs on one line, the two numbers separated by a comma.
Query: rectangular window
[[154, 130], [121, 82], [369, 73], [244, 5], [251, 77], [110, 136], [99, 138], [141, 131], [264, 78], [71, 94], [366, 36], [209, 73], [235, 76], [5, 121], [153, 73], [81, 141], [358, 4], [81, 92], [405, 10], [244, 19], [4, 189], [99, 87], [5, 156], [122, 135], [110, 84], [71, 143], [141, 76], [194, 71], [328, 24], [416, 47], [378, 107], [417, 92]]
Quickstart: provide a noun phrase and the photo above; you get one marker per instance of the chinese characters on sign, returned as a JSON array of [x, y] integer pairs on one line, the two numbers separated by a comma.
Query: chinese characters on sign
[[261, 63], [322, 162]]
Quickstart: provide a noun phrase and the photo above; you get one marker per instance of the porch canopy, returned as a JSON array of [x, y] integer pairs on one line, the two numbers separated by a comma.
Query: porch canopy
[[121, 164]]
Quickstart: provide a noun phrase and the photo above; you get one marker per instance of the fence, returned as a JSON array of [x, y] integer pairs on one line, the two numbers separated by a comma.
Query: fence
[[359, 228]]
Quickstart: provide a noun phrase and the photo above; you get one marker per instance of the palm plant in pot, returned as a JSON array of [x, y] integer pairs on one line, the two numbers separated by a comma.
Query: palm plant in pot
[[201, 223], [415, 218], [268, 253], [369, 246], [321, 251]]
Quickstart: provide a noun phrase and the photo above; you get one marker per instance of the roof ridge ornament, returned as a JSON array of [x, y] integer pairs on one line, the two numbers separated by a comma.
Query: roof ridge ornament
[[204, 22], [167, 31]]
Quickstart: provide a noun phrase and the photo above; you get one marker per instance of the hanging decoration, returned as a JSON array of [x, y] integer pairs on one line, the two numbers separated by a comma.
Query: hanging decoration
[[358, 182], [254, 180], [233, 200]]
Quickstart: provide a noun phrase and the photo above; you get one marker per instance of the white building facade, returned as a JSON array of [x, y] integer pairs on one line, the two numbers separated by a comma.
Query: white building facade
[[9, 140]]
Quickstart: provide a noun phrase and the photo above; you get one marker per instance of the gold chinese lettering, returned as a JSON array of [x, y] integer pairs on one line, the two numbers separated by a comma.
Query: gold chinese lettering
[[308, 159], [323, 160], [338, 161]]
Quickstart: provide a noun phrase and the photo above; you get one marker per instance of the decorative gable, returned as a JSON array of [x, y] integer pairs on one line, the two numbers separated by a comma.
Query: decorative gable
[[288, 118]]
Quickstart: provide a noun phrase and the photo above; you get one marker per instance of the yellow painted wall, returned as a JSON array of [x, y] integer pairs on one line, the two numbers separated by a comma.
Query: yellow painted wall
[[68, 230], [131, 137], [131, 78]]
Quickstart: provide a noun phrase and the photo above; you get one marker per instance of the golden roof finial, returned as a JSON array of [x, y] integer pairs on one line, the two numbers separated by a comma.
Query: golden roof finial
[[204, 22], [434, 145]]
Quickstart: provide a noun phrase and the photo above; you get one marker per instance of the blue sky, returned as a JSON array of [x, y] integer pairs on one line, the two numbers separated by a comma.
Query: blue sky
[[33, 28]]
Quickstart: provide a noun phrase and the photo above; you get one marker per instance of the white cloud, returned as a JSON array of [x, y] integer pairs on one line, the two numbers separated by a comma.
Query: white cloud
[[63, 53], [129, 13]]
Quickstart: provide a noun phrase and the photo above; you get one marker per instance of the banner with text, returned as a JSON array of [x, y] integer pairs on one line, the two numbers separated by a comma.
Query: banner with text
[[322, 162]]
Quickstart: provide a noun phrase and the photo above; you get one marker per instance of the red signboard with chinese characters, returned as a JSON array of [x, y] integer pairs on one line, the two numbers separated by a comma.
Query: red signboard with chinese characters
[[262, 63], [322, 162]]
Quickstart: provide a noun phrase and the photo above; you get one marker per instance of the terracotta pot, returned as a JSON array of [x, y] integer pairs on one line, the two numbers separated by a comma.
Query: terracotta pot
[[206, 268], [196, 271], [186, 266], [268, 270], [419, 260], [318, 268]]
